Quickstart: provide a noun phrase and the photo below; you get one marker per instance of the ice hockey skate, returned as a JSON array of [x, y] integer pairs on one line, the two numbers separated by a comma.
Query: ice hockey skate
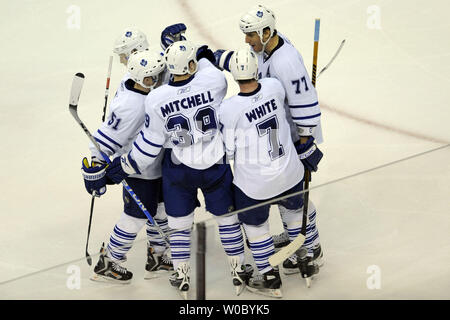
[[107, 270], [306, 265], [240, 274], [157, 264], [290, 265], [181, 280], [267, 284]]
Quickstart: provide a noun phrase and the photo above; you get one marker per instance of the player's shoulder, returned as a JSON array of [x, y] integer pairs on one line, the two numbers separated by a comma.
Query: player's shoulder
[[271, 84], [128, 98], [208, 70], [159, 93], [228, 108], [285, 54], [269, 81]]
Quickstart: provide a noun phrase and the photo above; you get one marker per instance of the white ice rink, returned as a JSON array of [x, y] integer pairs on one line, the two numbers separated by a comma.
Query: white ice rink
[[385, 98]]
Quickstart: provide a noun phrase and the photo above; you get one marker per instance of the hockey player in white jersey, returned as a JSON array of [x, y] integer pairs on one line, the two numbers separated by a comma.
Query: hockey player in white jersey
[[277, 58], [266, 166], [183, 118], [146, 70]]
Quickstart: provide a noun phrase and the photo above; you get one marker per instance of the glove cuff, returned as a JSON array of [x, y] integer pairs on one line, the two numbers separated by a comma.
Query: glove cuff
[[308, 152], [129, 166]]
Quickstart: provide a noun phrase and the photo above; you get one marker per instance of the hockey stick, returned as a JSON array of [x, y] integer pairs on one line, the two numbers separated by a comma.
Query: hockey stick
[[73, 105], [107, 86], [88, 256], [332, 59], [292, 247]]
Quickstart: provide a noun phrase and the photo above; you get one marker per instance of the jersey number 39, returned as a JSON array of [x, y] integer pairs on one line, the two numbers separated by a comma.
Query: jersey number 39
[[181, 129]]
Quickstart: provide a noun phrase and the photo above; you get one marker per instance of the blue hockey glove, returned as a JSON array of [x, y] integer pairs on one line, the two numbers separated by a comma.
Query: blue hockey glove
[[172, 33], [121, 167], [222, 58], [94, 176], [205, 52], [309, 154]]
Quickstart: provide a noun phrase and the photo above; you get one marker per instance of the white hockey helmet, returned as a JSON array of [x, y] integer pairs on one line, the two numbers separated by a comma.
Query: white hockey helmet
[[129, 40], [178, 56], [244, 65], [256, 20], [143, 64]]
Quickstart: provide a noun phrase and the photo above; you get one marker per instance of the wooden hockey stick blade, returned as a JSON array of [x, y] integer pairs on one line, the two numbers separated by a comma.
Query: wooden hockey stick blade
[[287, 251]]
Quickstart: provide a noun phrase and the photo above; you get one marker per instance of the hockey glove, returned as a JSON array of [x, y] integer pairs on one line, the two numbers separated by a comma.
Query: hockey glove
[[172, 33], [94, 176], [120, 168], [205, 52], [309, 154], [222, 58]]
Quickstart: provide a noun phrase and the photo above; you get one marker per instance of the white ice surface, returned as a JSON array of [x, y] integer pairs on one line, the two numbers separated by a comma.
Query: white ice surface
[[384, 98]]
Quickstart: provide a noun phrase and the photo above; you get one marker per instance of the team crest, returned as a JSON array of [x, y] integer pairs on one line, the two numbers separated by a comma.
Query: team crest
[[143, 62], [259, 14], [182, 48], [128, 34]]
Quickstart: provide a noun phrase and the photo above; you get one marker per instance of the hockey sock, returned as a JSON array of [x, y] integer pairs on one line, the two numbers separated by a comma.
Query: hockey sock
[[312, 234], [231, 236], [154, 238], [122, 237], [292, 221], [180, 247], [261, 245]]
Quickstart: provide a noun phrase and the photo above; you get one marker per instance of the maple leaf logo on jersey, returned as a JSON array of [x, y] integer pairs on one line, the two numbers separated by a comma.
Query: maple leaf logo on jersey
[[143, 62], [128, 34], [259, 14]]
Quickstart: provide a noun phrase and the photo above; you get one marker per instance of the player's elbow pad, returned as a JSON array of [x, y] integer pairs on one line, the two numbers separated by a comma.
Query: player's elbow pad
[[223, 59]]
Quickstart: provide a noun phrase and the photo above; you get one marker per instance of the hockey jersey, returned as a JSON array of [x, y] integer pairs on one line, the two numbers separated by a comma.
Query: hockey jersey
[[124, 123], [256, 134], [183, 116], [286, 64]]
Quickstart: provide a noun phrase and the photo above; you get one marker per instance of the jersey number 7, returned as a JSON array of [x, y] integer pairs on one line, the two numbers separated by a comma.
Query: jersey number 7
[[269, 127]]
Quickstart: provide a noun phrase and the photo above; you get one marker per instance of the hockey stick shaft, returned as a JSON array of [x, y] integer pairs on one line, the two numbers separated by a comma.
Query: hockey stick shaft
[[332, 59], [290, 249], [88, 256], [73, 104], [108, 78]]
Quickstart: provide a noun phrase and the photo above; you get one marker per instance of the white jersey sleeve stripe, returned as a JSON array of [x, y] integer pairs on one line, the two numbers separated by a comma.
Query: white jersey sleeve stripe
[[307, 117], [143, 152], [304, 105], [105, 144], [109, 139], [149, 142]]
